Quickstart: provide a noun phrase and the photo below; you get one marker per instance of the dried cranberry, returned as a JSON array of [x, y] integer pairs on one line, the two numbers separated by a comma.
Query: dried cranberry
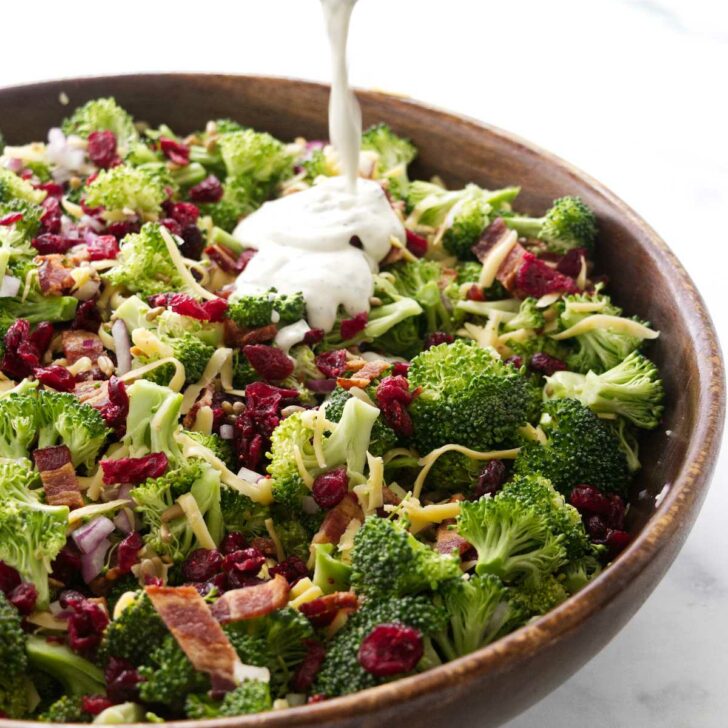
[[23, 598], [122, 680], [309, 667], [292, 569], [615, 518], [67, 565], [172, 225], [393, 397], [95, 704], [352, 326], [128, 553], [391, 649], [175, 151], [313, 336], [316, 698], [233, 541], [400, 368], [322, 611], [515, 361], [122, 228], [416, 244], [217, 584], [22, 354], [271, 363], [332, 364], [570, 263], [50, 219], [185, 213], [88, 316], [10, 219], [193, 243], [596, 528], [202, 564], [436, 338], [588, 499], [209, 190], [246, 561], [49, 243], [41, 336], [101, 149], [545, 364], [55, 376], [152, 581], [116, 409], [241, 580], [134, 470], [53, 189], [9, 578], [103, 247], [535, 278], [475, 293], [210, 310], [330, 488], [86, 624], [226, 260], [616, 541], [490, 479]]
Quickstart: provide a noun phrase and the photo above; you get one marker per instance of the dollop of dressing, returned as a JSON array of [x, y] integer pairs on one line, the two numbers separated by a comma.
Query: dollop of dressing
[[327, 240]]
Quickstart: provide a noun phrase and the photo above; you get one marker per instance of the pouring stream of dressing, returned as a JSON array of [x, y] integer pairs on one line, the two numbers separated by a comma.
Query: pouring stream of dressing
[[327, 240]]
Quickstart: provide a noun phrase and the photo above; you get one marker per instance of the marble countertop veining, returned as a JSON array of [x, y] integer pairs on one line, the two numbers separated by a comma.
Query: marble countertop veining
[[633, 91]]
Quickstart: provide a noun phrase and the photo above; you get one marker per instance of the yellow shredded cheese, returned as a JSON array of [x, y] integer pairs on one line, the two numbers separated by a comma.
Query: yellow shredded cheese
[[46, 620], [536, 434], [429, 460], [270, 527], [78, 515], [495, 259], [72, 208], [175, 383], [485, 308], [586, 306], [150, 344], [346, 542], [422, 516], [124, 602], [306, 476], [181, 267], [203, 420], [313, 592], [581, 278], [196, 520], [341, 618], [547, 299], [214, 367], [300, 587], [80, 365], [613, 323]]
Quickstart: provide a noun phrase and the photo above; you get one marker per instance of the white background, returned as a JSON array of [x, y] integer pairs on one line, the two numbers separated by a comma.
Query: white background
[[633, 91]]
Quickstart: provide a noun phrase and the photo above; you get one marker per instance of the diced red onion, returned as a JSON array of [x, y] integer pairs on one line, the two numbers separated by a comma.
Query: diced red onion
[[124, 492], [9, 286], [14, 164], [122, 346], [92, 223], [91, 534], [227, 432], [321, 386], [250, 475], [93, 562], [123, 522]]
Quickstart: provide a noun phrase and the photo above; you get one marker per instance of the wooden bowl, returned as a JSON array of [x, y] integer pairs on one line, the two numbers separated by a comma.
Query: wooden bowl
[[504, 678]]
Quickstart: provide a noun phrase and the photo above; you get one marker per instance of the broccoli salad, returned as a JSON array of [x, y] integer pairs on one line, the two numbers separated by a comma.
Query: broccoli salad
[[220, 498]]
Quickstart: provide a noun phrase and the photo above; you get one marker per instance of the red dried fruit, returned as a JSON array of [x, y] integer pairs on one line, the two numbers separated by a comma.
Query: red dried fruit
[[101, 149], [210, 310], [245, 561], [116, 409], [322, 611], [436, 338], [515, 361], [175, 151], [9, 578], [23, 350], [209, 190], [475, 293], [134, 470], [227, 260], [589, 500], [545, 364], [233, 541], [185, 213], [400, 368], [292, 569], [352, 326], [535, 278], [122, 680], [49, 243], [53, 189], [570, 263], [616, 541], [490, 479], [103, 247], [23, 597], [172, 225], [95, 704], [128, 552], [216, 584], [596, 527], [330, 488], [313, 336], [391, 649], [309, 667], [316, 698], [202, 564], [332, 364], [416, 244], [50, 219], [193, 243], [67, 565], [122, 228], [10, 219], [241, 580], [393, 398], [55, 376], [86, 623], [271, 363]]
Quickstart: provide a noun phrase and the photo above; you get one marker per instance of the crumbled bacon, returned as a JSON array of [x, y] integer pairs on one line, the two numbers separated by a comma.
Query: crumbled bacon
[[253, 601], [58, 476], [338, 519], [534, 278], [447, 540], [364, 376], [238, 337], [226, 260], [322, 611], [53, 276], [78, 343]]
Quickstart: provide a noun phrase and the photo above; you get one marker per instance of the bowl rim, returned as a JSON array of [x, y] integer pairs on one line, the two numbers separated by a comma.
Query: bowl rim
[[686, 491]]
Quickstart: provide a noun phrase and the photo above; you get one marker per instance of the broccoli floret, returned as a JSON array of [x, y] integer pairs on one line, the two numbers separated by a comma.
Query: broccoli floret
[[341, 672], [127, 188], [176, 537], [577, 574], [225, 214], [251, 696], [633, 389], [602, 346], [31, 212], [67, 709], [580, 448], [569, 223], [295, 530], [192, 353], [318, 164], [19, 419], [63, 419], [394, 153], [169, 676], [102, 115], [383, 437], [144, 265], [13, 187], [290, 308], [31, 533], [467, 397], [541, 599], [514, 541], [243, 372], [387, 561], [134, 633], [628, 443], [77, 675], [253, 311], [478, 611], [220, 448], [13, 695], [240, 513], [529, 316], [346, 445], [37, 309]]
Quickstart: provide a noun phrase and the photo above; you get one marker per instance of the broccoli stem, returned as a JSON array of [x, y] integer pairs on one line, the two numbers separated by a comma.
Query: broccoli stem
[[77, 675]]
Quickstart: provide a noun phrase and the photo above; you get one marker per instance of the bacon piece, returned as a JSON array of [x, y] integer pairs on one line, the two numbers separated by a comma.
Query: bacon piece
[[252, 601], [337, 519], [92, 392], [204, 400], [200, 636], [322, 611], [53, 276], [78, 343], [389, 497], [447, 541], [364, 376], [58, 476], [239, 337]]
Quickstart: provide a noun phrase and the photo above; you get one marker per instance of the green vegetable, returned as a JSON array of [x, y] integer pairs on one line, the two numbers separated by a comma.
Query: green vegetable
[[127, 188], [394, 153], [77, 675], [102, 115], [330, 574], [251, 696]]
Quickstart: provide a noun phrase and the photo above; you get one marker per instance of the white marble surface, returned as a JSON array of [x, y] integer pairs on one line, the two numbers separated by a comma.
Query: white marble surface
[[631, 90]]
